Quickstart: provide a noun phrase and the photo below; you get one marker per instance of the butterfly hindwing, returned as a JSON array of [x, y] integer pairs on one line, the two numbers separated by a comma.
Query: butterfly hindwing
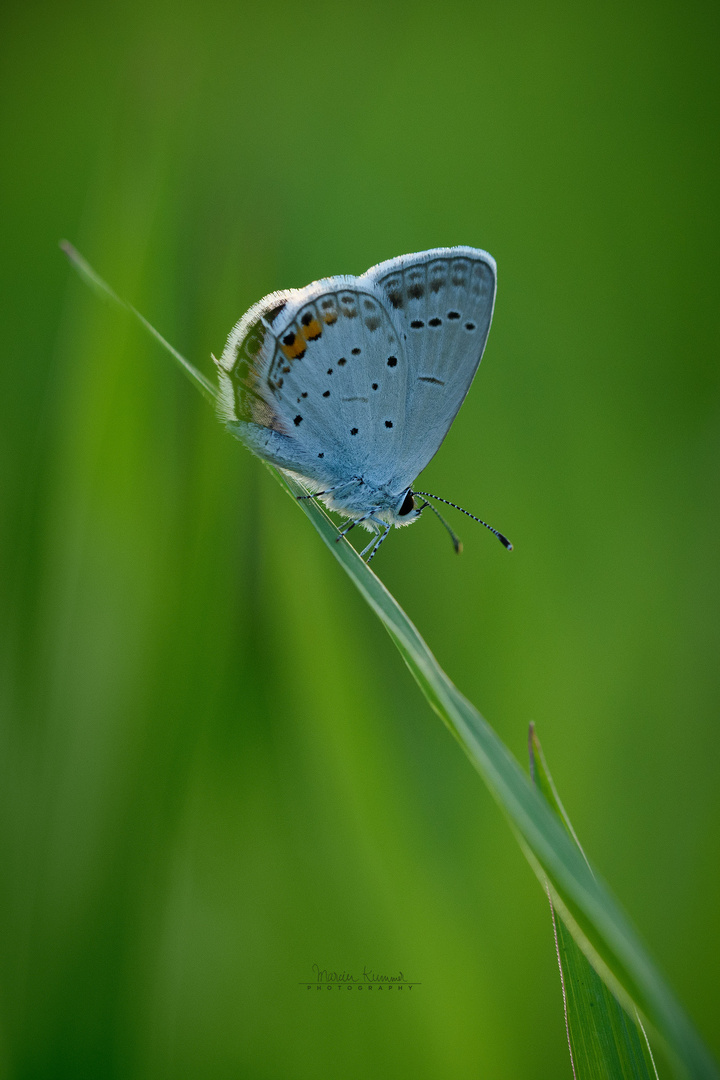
[[324, 367]]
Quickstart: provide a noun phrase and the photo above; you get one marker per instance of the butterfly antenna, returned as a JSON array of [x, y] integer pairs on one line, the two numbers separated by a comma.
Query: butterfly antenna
[[503, 539], [457, 542]]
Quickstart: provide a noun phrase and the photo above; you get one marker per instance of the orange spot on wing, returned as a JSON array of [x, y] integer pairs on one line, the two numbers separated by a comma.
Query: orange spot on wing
[[312, 330], [298, 348]]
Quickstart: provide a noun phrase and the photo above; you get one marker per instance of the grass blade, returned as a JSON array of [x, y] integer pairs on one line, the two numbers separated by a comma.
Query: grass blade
[[605, 1042], [590, 913]]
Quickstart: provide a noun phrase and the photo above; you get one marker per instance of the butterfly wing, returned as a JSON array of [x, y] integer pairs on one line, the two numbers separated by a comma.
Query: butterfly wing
[[314, 380], [442, 303]]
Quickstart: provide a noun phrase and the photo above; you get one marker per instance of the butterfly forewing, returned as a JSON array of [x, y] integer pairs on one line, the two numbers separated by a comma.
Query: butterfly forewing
[[442, 302]]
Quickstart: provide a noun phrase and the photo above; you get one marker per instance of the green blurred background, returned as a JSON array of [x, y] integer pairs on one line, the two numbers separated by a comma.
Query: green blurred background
[[215, 770]]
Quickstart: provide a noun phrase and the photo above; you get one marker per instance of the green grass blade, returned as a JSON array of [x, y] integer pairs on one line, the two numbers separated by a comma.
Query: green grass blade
[[605, 1042], [587, 908]]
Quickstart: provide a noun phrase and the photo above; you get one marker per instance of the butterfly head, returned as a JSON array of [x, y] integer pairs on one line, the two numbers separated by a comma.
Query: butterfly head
[[406, 510]]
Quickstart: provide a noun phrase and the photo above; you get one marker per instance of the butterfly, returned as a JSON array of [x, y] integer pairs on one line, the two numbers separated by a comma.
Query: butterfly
[[352, 383]]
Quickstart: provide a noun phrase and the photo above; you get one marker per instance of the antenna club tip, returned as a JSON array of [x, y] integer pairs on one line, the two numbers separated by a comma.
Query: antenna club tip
[[459, 548], [505, 542]]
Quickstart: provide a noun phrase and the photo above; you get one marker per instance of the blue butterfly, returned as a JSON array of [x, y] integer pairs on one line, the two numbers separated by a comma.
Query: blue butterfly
[[352, 383]]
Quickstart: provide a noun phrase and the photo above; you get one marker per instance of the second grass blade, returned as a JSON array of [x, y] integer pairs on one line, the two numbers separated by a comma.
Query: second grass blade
[[605, 1041]]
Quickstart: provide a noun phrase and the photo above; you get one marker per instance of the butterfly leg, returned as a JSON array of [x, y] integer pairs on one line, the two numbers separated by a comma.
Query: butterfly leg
[[357, 521], [373, 542], [378, 540]]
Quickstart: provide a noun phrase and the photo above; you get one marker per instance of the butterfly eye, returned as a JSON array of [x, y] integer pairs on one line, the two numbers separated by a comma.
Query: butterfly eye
[[407, 506]]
